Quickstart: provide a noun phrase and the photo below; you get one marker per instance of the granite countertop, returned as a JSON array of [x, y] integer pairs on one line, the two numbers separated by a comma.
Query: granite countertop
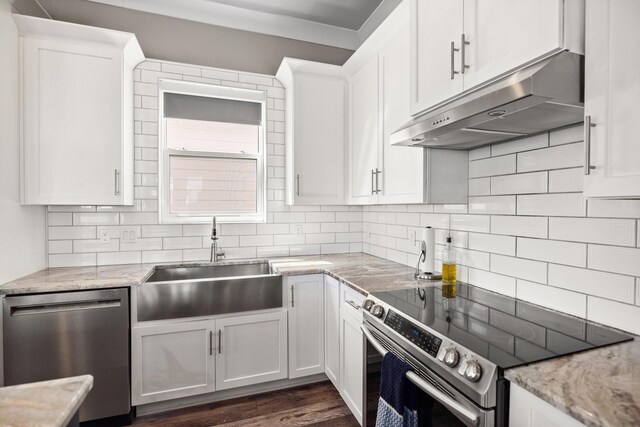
[[598, 387], [43, 404]]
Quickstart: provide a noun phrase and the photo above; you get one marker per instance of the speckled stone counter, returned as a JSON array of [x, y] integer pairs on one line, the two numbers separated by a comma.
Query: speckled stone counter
[[598, 388], [43, 404]]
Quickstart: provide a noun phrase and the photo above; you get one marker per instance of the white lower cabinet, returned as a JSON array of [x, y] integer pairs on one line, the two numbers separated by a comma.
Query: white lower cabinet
[[351, 368], [332, 330], [306, 325], [527, 410], [169, 361], [251, 349], [187, 358]]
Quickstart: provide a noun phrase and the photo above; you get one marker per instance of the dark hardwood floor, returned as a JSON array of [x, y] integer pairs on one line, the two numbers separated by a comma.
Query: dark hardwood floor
[[317, 405]]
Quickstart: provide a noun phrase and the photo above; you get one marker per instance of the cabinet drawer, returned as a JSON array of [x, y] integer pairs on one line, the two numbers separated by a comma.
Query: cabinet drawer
[[351, 300]]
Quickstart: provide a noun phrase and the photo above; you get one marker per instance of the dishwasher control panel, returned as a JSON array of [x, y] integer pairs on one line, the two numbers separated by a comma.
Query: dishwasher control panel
[[417, 336]]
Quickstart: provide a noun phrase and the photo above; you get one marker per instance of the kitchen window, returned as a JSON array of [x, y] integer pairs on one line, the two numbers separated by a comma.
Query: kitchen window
[[212, 162]]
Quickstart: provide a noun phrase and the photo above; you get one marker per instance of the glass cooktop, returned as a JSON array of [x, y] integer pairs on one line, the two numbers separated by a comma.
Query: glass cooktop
[[504, 330]]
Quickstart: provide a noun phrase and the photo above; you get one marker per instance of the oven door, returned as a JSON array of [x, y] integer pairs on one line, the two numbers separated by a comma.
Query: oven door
[[449, 406]]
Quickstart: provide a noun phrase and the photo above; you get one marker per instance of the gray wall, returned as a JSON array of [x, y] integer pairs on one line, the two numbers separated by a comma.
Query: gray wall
[[190, 42]]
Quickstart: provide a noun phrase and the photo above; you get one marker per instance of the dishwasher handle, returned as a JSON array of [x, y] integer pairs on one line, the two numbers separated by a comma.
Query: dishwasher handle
[[24, 310]]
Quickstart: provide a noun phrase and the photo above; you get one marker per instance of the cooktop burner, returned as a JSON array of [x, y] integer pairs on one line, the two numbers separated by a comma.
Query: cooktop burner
[[506, 331]]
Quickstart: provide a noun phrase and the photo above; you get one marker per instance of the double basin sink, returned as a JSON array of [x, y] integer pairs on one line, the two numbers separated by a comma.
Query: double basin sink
[[206, 290]]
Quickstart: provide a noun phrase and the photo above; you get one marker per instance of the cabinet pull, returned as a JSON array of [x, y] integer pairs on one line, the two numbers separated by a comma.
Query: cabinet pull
[[210, 343], [453, 51], [117, 181], [219, 341], [377, 183], [373, 191], [297, 184], [292, 298], [463, 44], [587, 144], [353, 304]]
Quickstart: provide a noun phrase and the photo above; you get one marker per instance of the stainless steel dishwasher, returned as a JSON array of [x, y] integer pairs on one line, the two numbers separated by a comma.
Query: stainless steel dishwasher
[[64, 334]]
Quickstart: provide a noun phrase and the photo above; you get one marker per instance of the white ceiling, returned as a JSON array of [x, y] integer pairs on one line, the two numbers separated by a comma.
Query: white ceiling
[[340, 23], [350, 14]]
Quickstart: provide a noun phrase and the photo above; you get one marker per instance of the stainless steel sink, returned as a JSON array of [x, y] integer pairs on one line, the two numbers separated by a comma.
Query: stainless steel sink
[[206, 290]]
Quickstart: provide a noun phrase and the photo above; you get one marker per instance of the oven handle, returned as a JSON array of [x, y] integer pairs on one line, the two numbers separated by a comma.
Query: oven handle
[[444, 400]]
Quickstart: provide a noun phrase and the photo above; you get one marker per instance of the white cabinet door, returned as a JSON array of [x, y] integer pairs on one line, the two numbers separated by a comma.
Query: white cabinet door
[[612, 90], [332, 330], [306, 325], [318, 139], [171, 361], [527, 410], [251, 349], [506, 34], [72, 123], [351, 365], [402, 168], [435, 25], [363, 143]]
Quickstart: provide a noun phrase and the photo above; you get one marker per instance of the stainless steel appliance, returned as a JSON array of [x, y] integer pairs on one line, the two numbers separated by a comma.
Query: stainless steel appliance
[[541, 97], [48, 336], [459, 347]]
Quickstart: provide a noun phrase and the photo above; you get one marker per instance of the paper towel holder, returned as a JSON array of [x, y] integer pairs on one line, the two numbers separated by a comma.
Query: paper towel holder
[[425, 275]]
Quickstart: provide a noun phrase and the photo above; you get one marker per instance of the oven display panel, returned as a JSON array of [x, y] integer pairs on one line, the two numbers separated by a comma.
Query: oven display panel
[[423, 339]]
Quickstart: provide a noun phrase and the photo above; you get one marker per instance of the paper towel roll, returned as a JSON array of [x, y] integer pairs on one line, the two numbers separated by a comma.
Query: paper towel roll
[[429, 239]]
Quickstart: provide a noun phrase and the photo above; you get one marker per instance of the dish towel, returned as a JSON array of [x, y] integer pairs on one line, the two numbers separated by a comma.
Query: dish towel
[[397, 405]]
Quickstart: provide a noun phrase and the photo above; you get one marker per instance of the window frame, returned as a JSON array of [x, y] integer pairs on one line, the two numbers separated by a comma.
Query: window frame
[[212, 91]]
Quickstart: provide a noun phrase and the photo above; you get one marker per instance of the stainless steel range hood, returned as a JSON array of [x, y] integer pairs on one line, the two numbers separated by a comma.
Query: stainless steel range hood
[[541, 97]]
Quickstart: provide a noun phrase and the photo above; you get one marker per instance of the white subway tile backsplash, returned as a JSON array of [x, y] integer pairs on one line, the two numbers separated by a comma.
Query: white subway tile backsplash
[[320, 216], [301, 250], [480, 153], [497, 244], [432, 220], [524, 183], [471, 258], [591, 282], [565, 156], [615, 259], [68, 233], [161, 230], [65, 260], [161, 256], [559, 204], [479, 223], [496, 205], [238, 229], [289, 239], [567, 135], [480, 187], [334, 248], [138, 218], [349, 216], [257, 240], [143, 244], [614, 208], [493, 282], [620, 232], [521, 268], [527, 226], [565, 180], [56, 219], [80, 246], [618, 315], [182, 242], [168, 67], [272, 251], [60, 246], [114, 258], [552, 251], [555, 298], [272, 228], [525, 144], [460, 209], [502, 165], [96, 218]]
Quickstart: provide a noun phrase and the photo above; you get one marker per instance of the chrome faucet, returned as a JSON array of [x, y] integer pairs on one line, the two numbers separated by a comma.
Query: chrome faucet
[[215, 252]]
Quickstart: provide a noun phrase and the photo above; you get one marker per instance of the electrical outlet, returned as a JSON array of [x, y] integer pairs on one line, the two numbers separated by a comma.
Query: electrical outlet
[[129, 234], [298, 229], [105, 237]]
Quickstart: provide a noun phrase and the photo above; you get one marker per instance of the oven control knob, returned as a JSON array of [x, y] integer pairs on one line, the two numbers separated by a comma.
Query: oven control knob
[[367, 304], [377, 310], [472, 370], [451, 357]]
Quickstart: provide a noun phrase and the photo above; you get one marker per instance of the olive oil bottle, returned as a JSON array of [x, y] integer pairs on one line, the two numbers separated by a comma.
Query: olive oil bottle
[[449, 278]]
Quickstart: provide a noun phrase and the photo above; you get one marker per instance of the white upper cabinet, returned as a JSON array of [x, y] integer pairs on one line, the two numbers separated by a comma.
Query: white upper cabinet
[[364, 134], [77, 113], [315, 132], [612, 90], [460, 45]]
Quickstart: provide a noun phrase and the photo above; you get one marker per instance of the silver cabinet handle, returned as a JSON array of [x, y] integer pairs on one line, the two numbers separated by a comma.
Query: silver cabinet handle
[[453, 51], [210, 343], [292, 297], [219, 341], [587, 144], [377, 183], [117, 182], [297, 184], [353, 304], [373, 191], [463, 44]]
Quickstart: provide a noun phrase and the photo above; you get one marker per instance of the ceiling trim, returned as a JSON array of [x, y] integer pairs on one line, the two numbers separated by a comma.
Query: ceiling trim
[[248, 20]]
